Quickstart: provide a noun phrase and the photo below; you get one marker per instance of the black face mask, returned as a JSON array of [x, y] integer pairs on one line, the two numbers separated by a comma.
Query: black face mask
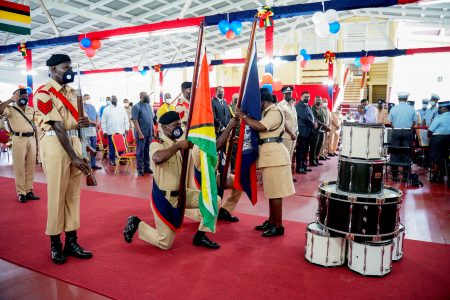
[[306, 99], [318, 104], [177, 132], [219, 95], [22, 101], [146, 99], [188, 96], [68, 76]]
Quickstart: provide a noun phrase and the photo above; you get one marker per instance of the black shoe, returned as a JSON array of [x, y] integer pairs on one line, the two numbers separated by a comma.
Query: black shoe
[[225, 215], [264, 226], [71, 247], [112, 163], [140, 173], [319, 164], [148, 171], [96, 167], [22, 198], [130, 228], [331, 154], [31, 196], [313, 164], [322, 158], [201, 240], [327, 158], [308, 170], [57, 254], [274, 231]]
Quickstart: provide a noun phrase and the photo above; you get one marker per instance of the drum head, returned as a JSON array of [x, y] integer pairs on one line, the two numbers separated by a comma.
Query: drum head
[[317, 229], [389, 194]]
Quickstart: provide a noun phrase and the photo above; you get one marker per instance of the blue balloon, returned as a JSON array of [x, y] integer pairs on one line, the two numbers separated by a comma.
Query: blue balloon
[[29, 90], [334, 27], [303, 52], [143, 72], [357, 62], [268, 86], [307, 57], [85, 42], [236, 26], [224, 26]]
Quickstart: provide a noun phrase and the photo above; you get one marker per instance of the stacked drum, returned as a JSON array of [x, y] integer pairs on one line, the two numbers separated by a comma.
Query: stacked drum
[[357, 214]]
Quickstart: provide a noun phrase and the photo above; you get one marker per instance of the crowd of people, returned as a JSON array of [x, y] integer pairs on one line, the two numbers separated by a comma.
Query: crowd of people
[[290, 133]]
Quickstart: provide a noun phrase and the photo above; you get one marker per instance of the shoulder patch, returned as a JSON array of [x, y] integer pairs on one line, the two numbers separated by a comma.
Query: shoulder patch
[[157, 140]]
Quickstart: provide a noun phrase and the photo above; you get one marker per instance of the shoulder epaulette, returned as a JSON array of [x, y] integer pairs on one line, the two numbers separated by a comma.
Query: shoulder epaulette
[[157, 140]]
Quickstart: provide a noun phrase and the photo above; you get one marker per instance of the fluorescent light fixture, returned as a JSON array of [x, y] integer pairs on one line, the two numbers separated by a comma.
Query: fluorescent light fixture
[[431, 2], [153, 33], [32, 72]]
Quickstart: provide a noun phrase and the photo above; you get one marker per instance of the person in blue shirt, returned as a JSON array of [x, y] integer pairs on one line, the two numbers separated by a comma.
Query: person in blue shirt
[[402, 117], [142, 116], [90, 112], [102, 108], [433, 110], [440, 141], [421, 112]]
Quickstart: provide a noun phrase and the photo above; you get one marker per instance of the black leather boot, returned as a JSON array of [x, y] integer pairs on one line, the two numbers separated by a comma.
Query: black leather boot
[[201, 240], [73, 249], [264, 226], [225, 215], [58, 256]]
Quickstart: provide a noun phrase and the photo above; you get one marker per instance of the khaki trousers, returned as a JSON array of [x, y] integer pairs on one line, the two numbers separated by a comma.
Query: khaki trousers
[[334, 140], [24, 162], [163, 236], [63, 185], [235, 195], [290, 146], [324, 150]]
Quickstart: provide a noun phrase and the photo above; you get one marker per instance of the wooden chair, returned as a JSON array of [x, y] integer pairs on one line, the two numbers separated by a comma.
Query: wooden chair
[[131, 141], [121, 147]]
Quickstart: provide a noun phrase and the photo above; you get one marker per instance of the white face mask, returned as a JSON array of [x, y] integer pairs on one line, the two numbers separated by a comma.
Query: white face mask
[[87, 101], [433, 103], [108, 102], [126, 105], [168, 100], [324, 104]]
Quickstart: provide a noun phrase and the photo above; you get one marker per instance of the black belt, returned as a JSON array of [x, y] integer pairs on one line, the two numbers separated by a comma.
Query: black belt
[[270, 140], [24, 134], [170, 193]]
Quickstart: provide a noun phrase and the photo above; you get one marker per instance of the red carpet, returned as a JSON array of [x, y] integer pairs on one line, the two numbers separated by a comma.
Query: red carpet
[[247, 265]]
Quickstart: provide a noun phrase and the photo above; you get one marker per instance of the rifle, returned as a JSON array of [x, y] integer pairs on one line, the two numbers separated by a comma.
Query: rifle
[[85, 133]]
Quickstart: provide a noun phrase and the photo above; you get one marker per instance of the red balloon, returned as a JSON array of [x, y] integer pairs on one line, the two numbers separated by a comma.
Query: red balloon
[[135, 69], [277, 85], [210, 68], [95, 44], [230, 34], [364, 61], [303, 63], [370, 59], [81, 46], [267, 78], [365, 68], [90, 52]]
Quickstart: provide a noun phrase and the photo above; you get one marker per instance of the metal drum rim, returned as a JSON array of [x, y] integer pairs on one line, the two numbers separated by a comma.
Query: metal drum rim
[[370, 196], [366, 125], [345, 233], [318, 232], [380, 161]]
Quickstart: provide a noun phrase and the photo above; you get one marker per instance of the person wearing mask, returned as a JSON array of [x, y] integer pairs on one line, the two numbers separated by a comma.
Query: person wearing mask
[[90, 112], [60, 152], [273, 161], [319, 132], [421, 112], [433, 110], [19, 117], [367, 113], [382, 113], [336, 121], [403, 117], [182, 103], [306, 127], [142, 116], [234, 101], [114, 120], [220, 108], [440, 141], [166, 106], [323, 155], [126, 105], [290, 115], [166, 161], [102, 108]]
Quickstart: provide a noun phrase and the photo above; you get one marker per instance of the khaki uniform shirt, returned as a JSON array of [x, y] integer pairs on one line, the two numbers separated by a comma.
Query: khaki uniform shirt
[[166, 174], [290, 117], [182, 107], [336, 121], [272, 154], [17, 121], [382, 116], [50, 108]]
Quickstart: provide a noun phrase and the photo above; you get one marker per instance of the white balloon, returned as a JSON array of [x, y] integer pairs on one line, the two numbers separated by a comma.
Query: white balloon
[[322, 29], [331, 16], [300, 58], [318, 17]]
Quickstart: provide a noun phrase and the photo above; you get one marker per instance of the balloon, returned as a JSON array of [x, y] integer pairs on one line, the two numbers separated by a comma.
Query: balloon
[[318, 17], [322, 29], [303, 63], [236, 26], [85, 42], [364, 60], [29, 90], [143, 72], [95, 44], [303, 52], [334, 27], [365, 68], [224, 26], [267, 78], [90, 52], [140, 68], [357, 62], [210, 68], [370, 59], [300, 58], [307, 57], [81, 47], [135, 69], [230, 34], [277, 85], [268, 86], [331, 16]]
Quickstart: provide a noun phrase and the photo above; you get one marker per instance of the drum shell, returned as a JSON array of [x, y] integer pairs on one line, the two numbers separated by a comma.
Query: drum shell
[[370, 259], [397, 251], [336, 211], [362, 141], [322, 249], [360, 176]]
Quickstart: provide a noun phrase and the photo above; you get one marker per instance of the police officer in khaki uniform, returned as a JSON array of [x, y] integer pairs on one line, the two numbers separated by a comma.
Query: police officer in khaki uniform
[[24, 143], [182, 102], [60, 152], [336, 121], [290, 115], [382, 113], [324, 150], [274, 162], [166, 162]]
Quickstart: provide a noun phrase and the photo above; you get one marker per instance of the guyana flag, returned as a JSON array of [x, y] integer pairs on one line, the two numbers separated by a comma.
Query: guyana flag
[[202, 134], [14, 17]]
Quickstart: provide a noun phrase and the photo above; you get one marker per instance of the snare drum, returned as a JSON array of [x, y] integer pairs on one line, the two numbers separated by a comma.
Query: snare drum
[[373, 259], [322, 249], [364, 141], [365, 217], [397, 252], [360, 176]]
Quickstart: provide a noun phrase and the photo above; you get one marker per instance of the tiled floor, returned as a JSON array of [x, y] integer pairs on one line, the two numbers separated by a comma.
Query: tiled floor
[[425, 214]]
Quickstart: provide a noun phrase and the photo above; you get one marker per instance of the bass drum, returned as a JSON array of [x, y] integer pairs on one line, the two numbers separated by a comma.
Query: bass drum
[[364, 217], [363, 141], [397, 252], [360, 176], [323, 249], [370, 259]]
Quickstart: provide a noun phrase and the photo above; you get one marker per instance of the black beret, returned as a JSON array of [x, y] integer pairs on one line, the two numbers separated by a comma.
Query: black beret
[[186, 85], [287, 89], [363, 100], [57, 59], [390, 105], [264, 91], [169, 117]]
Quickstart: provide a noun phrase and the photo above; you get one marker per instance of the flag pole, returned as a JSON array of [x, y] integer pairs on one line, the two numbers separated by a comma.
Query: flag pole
[[185, 154], [224, 174]]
